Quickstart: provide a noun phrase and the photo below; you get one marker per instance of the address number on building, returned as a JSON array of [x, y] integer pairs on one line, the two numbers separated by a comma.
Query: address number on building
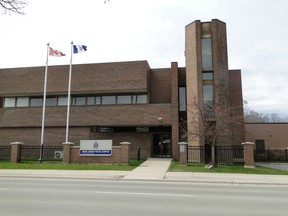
[[142, 129]]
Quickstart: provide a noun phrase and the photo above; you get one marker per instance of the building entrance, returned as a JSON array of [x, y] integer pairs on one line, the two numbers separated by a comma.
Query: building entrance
[[161, 145]]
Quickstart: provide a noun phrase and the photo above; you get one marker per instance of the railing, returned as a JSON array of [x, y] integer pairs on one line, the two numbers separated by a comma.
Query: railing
[[5, 152], [224, 154], [32, 153], [196, 154], [229, 154]]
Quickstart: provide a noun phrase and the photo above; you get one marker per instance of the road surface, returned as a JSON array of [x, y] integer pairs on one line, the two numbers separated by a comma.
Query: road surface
[[28, 197]]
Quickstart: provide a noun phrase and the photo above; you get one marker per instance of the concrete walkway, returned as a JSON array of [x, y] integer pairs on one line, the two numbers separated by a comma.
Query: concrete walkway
[[152, 169]]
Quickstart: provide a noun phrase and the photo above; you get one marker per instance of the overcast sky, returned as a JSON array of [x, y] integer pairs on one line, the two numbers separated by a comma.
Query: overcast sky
[[153, 30]]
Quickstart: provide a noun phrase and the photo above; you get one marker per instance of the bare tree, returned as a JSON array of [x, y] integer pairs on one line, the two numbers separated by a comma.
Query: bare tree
[[15, 6], [252, 116], [214, 124]]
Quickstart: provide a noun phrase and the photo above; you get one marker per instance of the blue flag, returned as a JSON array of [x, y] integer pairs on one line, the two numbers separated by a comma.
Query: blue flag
[[79, 48]]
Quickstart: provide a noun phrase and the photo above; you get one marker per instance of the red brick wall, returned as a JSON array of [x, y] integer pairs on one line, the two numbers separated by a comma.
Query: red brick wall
[[236, 103], [160, 86], [274, 134], [88, 78], [87, 115], [193, 78]]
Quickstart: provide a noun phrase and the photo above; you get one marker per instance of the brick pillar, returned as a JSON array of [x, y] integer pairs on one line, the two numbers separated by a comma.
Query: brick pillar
[[249, 154], [183, 153], [125, 152], [16, 152], [67, 152]]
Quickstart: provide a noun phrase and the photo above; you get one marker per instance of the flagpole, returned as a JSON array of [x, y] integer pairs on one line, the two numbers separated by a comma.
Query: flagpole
[[69, 93], [44, 107]]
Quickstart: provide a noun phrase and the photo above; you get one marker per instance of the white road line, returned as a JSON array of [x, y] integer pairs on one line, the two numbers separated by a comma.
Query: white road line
[[145, 194]]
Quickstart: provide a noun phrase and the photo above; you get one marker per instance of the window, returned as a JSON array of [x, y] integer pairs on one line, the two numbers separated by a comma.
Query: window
[[22, 102], [75, 100], [97, 100], [206, 53], [62, 101], [124, 99], [182, 99], [93, 100], [9, 102], [207, 76], [208, 101], [78, 101], [206, 30], [52, 101], [106, 100], [208, 93], [36, 102], [90, 100], [141, 99]]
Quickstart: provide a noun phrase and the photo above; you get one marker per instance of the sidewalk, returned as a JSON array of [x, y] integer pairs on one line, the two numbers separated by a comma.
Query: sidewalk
[[227, 178], [152, 169], [65, 174]]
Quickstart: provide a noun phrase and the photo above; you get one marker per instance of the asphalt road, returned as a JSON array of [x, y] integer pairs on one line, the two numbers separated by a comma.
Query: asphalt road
[[28, 197]]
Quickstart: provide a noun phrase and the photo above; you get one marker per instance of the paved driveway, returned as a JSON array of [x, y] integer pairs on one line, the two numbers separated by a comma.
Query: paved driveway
[[281, 166]]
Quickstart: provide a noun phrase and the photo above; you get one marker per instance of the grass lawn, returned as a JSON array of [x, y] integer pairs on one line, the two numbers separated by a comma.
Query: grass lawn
[[58, 165], [176, 167]]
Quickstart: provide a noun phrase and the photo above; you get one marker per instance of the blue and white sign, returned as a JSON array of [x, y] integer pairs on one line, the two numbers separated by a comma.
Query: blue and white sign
[[95, 147]]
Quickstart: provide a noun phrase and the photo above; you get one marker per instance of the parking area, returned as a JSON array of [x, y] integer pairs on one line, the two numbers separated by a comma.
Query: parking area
[[281, 166]]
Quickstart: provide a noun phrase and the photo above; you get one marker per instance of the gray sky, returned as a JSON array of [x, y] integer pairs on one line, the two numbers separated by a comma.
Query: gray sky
[[153, 30]]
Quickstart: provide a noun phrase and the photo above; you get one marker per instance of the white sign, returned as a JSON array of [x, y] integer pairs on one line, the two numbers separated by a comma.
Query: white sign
[[95, 147]]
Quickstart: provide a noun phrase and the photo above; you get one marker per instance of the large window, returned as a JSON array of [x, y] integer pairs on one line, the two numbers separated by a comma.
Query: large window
[[76, 100], [208, 101], [206, 43], [206, 53]]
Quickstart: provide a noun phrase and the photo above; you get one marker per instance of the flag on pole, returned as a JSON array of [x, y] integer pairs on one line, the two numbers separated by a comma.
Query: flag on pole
[[79, 48], [74, 49], [54, 52]]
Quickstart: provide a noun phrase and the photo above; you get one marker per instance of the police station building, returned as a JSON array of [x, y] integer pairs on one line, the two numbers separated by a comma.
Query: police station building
[[123, 101]]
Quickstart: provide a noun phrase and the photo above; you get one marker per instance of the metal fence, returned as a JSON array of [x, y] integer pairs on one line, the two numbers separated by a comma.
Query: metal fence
[[32, 152], [224, 154], [5, 152], [271, 155]]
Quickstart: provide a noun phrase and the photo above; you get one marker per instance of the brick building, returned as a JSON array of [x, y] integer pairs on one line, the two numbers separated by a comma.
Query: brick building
[[127, 101], [267, 136]]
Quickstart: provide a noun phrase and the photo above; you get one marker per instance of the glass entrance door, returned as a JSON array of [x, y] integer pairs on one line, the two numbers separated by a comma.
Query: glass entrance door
[[161, 145]]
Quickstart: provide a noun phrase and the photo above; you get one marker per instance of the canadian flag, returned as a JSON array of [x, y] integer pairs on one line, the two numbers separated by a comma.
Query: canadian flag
[[54, 52]]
